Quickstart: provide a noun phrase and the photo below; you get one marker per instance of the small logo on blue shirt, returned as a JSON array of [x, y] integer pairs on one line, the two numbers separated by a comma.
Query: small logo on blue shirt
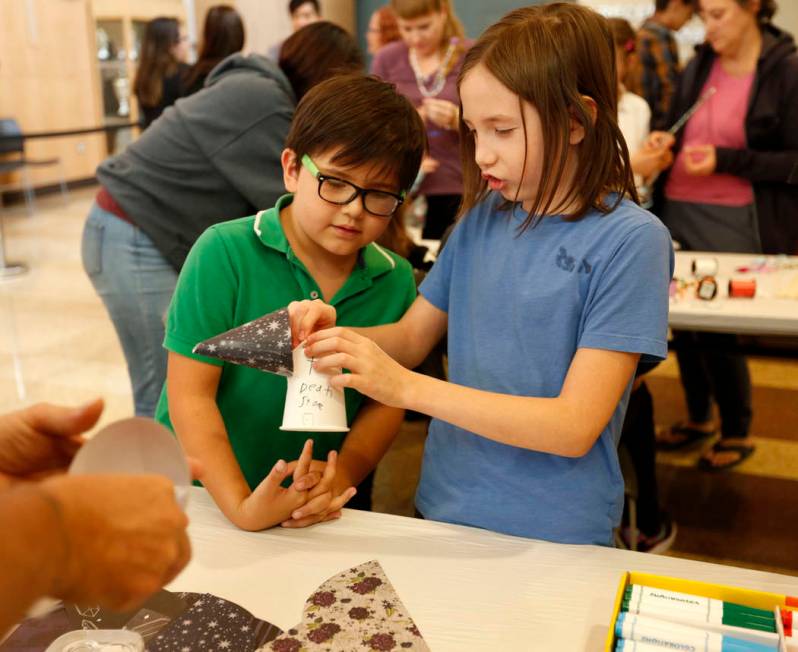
[[568, 263]]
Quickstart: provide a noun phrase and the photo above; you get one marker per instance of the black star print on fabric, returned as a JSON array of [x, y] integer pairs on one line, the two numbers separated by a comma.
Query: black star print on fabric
[[264, 343]]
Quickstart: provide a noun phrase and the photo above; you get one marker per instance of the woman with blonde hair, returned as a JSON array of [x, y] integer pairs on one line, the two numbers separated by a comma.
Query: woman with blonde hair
[[424, 66]]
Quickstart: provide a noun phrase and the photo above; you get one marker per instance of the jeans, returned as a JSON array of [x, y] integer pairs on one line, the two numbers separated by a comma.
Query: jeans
[[136, 283]]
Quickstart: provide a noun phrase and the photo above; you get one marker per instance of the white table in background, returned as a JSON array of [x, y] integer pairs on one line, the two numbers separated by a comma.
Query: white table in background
[[467, 589], [765, 314]]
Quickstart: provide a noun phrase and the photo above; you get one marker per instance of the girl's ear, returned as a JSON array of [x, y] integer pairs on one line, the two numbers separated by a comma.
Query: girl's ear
[[290, 164], [577, 134]]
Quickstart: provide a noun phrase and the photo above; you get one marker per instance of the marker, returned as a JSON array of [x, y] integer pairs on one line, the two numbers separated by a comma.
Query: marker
[[707, 609], [645, 629], [715, 617], [754, 630], [625, 645]]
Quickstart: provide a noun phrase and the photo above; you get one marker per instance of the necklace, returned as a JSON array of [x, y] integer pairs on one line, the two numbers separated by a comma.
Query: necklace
[[439, 79]]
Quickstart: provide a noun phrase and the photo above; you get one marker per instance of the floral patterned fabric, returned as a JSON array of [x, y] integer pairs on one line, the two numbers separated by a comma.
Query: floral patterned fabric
[[354, 610]]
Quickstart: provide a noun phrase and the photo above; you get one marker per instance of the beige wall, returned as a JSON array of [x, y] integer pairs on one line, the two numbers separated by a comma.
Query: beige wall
[[267, 21], [47, 81]]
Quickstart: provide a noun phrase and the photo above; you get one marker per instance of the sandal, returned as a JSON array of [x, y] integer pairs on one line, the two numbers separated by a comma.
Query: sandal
[[691, 436], [723, 446]]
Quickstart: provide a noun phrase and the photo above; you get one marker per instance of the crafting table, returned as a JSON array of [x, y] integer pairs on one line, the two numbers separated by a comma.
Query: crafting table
[[765, 314], [466, 589]]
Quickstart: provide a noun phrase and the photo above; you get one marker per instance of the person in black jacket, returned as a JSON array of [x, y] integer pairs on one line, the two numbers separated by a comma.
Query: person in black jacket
[[733, 187]]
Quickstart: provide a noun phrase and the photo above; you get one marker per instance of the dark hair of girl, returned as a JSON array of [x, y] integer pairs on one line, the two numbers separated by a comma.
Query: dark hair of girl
[[156, 60], [222, 36]]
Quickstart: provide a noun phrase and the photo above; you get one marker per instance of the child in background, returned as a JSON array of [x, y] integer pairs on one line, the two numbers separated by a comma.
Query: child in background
[[634, 114], [354, 147], [552, 286], [656, 531]]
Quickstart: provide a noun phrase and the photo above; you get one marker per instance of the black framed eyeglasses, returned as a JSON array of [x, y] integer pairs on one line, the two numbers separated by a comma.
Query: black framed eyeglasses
[[339, 191]]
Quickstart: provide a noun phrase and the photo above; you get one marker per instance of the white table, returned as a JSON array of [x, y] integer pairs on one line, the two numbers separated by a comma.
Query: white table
[[765, 314], [467, 589]]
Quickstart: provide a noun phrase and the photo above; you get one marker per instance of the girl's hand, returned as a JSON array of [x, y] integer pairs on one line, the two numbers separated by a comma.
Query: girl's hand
[[700, 160], [373, 372], [659, 140], [648, 162], [307, 317], [443, 113], [322, 502]]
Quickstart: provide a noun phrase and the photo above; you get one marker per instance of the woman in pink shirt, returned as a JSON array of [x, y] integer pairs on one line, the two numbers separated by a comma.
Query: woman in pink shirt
[[424, 65], [733, 187]]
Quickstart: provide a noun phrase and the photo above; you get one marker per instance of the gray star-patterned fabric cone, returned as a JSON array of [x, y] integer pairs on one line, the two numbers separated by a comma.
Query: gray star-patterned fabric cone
[[264, 343]]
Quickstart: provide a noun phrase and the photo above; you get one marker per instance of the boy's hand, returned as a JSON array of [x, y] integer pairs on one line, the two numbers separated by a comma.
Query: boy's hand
[[373, 372], [309, 316], [322, 504], [270, 503]]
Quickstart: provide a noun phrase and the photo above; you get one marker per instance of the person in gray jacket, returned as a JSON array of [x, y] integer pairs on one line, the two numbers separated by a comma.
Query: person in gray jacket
[[211, 157]]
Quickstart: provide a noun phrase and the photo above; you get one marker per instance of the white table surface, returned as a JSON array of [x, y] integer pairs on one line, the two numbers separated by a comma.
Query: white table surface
[[467, 589], [765, 314]]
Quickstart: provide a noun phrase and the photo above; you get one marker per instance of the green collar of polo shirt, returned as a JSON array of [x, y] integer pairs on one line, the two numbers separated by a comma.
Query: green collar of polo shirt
[[373, 260]]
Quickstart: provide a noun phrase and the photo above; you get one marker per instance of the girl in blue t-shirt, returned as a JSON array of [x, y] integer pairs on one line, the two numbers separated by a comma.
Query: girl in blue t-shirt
[[551, 287]]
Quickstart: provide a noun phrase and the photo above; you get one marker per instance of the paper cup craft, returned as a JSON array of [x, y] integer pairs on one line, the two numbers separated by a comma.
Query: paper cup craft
[[264, 343], [135, 445], [311, 404]]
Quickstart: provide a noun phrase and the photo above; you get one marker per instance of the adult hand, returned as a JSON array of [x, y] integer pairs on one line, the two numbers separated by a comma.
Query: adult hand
[[443, 113], [700, 160], [309, 316], [429, 165], [43, 438], [123, 537], [372, 371], [323, 502]]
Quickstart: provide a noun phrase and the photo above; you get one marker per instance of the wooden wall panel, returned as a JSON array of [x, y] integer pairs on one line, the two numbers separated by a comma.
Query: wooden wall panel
[[47, 81]]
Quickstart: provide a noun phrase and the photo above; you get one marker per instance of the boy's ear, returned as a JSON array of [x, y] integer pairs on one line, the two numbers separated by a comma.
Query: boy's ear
[[290, 164], [577, 134]]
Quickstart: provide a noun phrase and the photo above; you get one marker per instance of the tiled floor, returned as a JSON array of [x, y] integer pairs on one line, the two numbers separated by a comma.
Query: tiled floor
[[57, 344]]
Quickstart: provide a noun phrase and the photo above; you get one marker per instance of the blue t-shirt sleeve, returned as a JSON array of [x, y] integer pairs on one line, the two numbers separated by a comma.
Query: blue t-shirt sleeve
[[436, 285], [627, 309]]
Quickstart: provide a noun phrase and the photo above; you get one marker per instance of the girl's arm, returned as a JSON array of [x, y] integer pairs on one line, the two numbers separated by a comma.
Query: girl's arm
[[408, 341], [566, 425], [191, 388]]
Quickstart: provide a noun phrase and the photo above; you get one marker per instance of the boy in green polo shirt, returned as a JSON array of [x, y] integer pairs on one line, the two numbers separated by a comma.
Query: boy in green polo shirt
[[354, 148]]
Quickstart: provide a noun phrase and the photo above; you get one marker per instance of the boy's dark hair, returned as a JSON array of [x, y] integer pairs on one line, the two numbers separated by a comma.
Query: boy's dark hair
[[318, 51], [366, 120], [662, 5], [293, 5], [555, 57]]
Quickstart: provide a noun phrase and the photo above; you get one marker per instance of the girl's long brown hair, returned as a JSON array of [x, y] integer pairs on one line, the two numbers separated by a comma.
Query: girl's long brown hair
[[554, 57], [157, 60], [222, 36]]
